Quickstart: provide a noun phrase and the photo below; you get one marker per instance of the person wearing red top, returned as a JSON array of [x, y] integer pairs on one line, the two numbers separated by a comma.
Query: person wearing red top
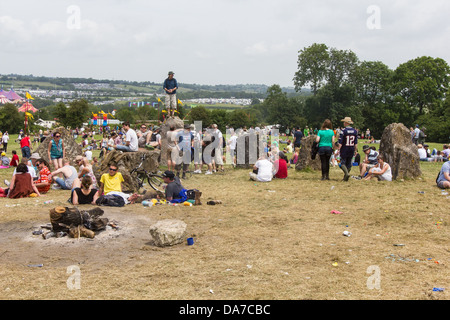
[[14, 160], [25, 145], [43, 183], [280, 165]]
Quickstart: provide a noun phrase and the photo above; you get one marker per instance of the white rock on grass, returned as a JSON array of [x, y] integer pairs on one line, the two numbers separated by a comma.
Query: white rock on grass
[[168, 232]]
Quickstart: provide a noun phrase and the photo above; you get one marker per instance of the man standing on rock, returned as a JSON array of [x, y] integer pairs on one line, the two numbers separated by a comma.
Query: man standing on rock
[[348, 142], [170, 88]]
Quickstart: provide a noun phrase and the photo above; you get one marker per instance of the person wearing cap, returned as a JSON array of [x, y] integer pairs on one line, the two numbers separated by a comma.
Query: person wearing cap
[[348, 141], [174, 191], [170, 88], [370, 161], [34, 158], [4, 163]]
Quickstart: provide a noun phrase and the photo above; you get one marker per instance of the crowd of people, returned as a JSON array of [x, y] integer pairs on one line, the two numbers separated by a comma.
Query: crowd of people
[[204, 147]]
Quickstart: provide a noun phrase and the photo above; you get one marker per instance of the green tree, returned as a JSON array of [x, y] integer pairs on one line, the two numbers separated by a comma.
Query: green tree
[[11, 119], [125, 114], [77, 113], [200, 113], [371, 80], [280, 108], [60, 113], [341, 65], [312, 67], [422, 83]]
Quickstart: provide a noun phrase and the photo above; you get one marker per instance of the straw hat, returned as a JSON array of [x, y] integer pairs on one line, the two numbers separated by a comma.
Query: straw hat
[[348, 120]]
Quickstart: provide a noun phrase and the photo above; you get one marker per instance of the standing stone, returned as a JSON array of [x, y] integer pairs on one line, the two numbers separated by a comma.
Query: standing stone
[[72, 148], [168, 232], [400, 152], [127, 161], [304, 156], [249, 147], [177, 123]]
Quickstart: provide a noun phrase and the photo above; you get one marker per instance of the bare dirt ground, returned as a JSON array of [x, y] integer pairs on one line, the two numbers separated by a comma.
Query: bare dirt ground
[[277, 240]]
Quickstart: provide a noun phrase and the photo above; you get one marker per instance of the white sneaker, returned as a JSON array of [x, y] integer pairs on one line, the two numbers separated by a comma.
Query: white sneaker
[[197, 171], [208, 172]]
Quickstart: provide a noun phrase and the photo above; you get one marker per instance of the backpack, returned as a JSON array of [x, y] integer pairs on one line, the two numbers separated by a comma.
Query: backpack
[[110, 200], [191, 194], [314, 149], [421, 134], [183, 197]]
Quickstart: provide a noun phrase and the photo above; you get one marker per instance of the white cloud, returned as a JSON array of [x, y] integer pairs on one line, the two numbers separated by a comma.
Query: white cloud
[[211, 41]]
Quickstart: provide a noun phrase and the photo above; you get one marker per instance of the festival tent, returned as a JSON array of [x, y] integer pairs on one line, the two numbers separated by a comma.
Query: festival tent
[[27, 107], [3, 92], [3, 99], [12, 95]]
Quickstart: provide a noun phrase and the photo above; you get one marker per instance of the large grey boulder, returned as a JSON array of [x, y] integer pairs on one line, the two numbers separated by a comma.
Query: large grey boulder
[[177, 123], [304, 156], [72, 148], [168, 232], [127, 161], [400, 152]]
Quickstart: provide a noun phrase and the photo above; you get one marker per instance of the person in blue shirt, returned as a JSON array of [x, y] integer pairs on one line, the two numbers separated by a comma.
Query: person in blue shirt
[[348, 142], [170, 89]]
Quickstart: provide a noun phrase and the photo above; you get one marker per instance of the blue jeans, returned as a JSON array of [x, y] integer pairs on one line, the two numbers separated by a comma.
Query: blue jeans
[[62, 183], [123, 148], [26, 152]]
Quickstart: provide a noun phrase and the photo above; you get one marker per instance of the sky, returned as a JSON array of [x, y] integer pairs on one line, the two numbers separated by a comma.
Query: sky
[[211, 42]]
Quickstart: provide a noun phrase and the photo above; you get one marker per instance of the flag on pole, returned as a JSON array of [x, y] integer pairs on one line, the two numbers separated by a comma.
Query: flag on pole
[[28, 96]]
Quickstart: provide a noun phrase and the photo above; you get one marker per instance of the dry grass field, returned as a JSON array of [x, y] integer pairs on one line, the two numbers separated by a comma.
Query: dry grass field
[[266, 241]]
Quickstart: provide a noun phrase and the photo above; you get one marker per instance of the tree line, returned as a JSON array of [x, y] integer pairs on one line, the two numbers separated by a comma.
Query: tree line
[[372, 94]]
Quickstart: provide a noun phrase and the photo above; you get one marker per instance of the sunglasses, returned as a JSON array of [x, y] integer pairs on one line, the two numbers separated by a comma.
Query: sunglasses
[[57, 136], [111, 169]]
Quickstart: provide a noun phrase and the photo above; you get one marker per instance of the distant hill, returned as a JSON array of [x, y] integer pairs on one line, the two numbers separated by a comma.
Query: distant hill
[[187, 91]]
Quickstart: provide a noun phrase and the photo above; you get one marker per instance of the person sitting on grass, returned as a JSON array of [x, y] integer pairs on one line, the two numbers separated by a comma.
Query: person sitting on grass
[[85, 170], [281, 166], [174, 191], [443, 179], [370, 160], [262, 170], [382, 171], [111, 181], [43, 184], [4, 163], [69, 173], [22, 185], [85, 194], [15, 159]]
